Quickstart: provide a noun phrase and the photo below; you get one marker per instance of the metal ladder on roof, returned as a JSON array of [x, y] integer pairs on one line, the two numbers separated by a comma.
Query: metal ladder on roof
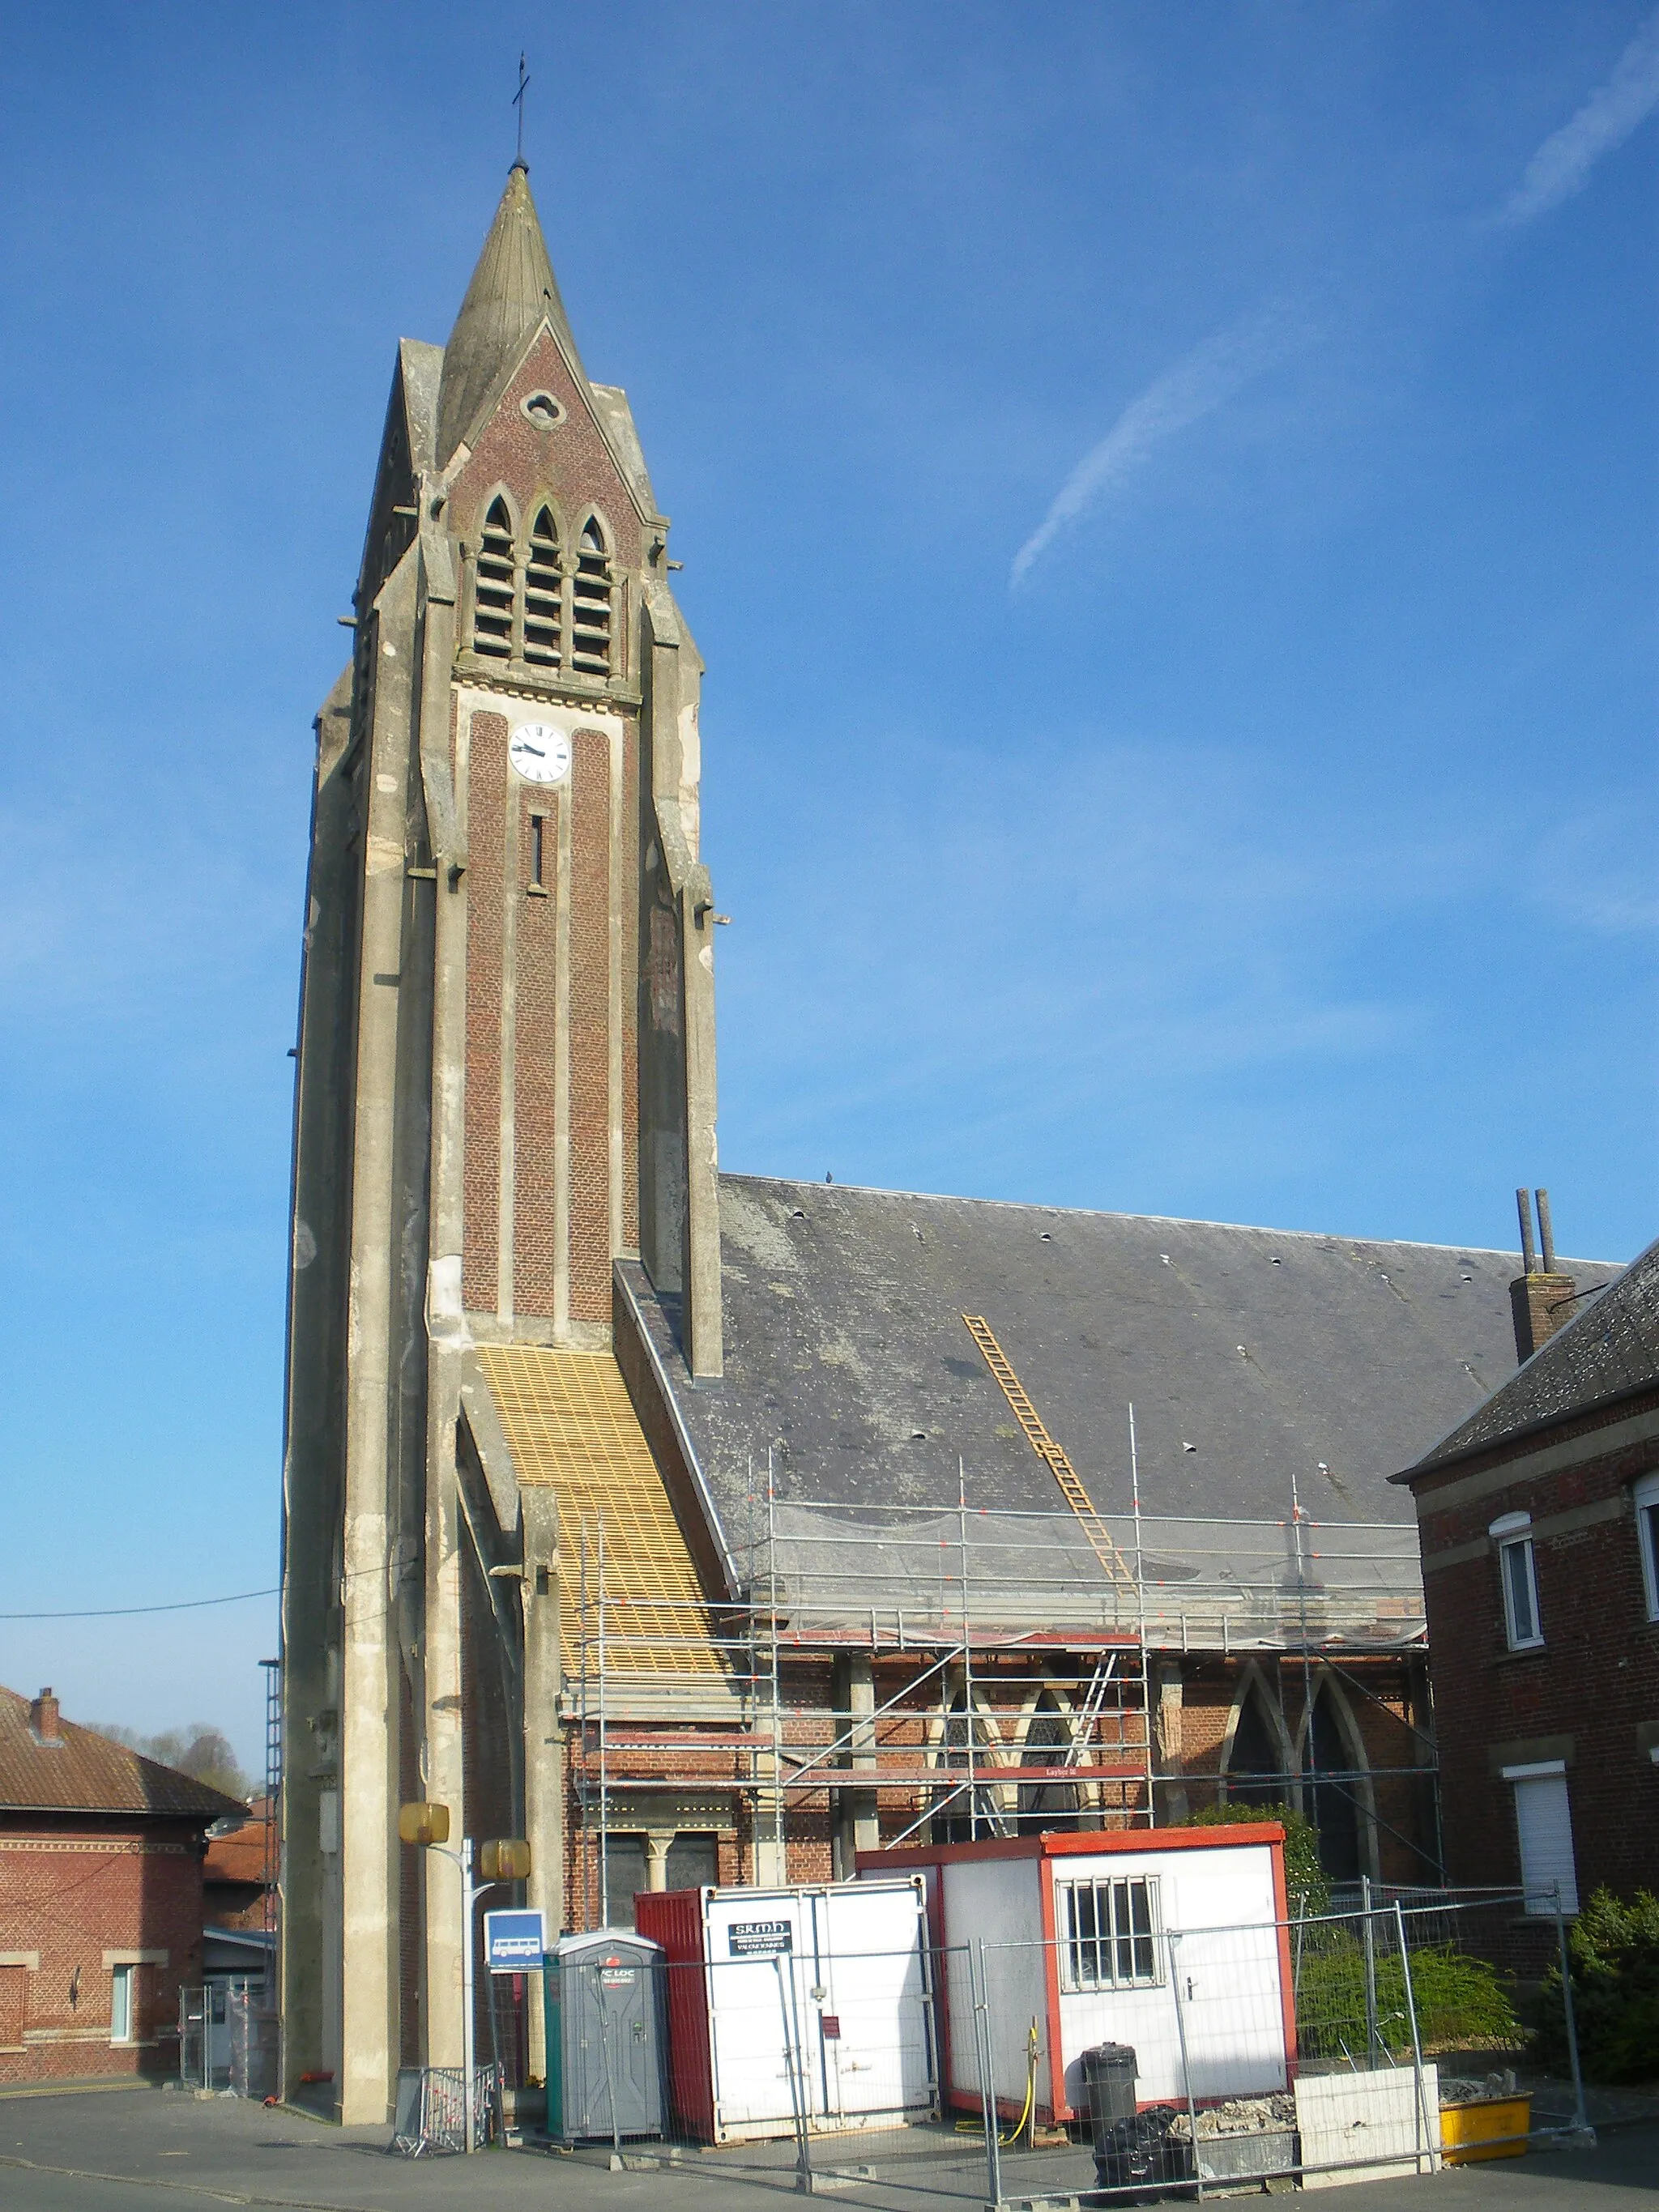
[[1071, 1484]]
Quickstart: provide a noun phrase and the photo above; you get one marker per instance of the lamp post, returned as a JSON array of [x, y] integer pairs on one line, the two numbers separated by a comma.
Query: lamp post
[[501, 1860]]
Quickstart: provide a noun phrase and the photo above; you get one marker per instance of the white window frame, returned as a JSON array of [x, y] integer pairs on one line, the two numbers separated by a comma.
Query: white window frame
[[1512, 1538], [1101, 1948], [1644, 1497], [124, 2003]]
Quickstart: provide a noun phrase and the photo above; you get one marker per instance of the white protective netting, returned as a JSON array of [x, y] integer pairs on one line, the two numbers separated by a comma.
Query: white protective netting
[[1186, 1584]]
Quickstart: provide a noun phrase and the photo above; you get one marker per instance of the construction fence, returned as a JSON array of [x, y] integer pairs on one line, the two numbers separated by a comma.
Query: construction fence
[[1122, 2056]]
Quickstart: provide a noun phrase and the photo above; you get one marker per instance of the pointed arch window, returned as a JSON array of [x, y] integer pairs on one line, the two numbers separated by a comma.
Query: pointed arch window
[[960, 1814], [492, 589], [1334, 1802], [1255, 1759], [544, 595], [1051, 1805], [590, 615]]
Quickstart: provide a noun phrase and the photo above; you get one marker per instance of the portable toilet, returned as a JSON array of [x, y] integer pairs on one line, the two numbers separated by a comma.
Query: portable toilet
[[1086, 1934], [806, 2006], [604, 2036]]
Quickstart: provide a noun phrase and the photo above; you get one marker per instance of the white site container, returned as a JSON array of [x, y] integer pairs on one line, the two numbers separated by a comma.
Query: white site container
[[835, 1973], [1222, 1887]]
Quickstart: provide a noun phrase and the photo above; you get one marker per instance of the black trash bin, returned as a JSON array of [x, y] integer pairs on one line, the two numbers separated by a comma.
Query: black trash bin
[[1108, 2078]]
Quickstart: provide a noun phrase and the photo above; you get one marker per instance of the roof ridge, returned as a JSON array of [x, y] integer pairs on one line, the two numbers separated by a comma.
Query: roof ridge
[[1168, 1220]]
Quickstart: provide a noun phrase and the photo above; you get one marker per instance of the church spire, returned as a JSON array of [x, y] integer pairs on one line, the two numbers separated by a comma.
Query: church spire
[[513, 289]]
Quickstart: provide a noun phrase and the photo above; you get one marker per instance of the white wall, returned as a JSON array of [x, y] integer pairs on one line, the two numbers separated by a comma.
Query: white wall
[[1000, 1901], [1220, 1903]]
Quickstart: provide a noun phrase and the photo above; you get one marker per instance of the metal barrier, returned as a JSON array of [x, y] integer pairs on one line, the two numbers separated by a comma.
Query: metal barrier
[[431, 2112], [228, 2037], [1356, 2044], [255, 2035]]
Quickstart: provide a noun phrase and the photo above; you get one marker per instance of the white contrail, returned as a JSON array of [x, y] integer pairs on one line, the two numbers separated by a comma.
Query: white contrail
[[1194, 386], [1564, 161]]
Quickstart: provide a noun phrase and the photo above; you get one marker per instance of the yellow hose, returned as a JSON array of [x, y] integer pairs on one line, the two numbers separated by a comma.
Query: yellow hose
[[977, 2127]]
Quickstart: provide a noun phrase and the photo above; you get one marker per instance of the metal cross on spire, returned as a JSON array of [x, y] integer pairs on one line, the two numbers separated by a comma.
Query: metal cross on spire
[[518, 101]]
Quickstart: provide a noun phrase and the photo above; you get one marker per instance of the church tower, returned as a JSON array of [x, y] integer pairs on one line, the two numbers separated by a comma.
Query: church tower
[[505, 1085]]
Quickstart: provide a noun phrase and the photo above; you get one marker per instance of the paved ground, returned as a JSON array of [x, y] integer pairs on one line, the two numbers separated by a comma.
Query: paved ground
[[121, 2150]]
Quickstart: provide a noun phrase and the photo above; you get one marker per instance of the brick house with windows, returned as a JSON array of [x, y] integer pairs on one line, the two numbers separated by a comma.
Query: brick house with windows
[[1539, 1521], [100, 1897]]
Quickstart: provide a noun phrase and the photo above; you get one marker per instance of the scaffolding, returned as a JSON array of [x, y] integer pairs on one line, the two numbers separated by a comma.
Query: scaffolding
[[1004, 1663]]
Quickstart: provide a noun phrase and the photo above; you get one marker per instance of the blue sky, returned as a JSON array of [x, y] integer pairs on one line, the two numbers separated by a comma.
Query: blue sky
[[1168, 503]]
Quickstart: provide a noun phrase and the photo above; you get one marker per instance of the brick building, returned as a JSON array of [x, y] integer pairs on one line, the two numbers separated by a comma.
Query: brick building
[[100, 1897], [683, 1521], [238, 1890], [1539, 1520]]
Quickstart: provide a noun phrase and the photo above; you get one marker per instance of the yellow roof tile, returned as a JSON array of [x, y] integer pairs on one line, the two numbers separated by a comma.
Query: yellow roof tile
[[571, 1426]]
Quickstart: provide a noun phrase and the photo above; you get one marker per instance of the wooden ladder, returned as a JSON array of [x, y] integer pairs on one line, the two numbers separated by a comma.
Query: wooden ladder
[[1045, 1448]]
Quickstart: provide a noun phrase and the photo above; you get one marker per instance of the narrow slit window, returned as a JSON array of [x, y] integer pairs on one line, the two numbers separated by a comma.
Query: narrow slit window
[[1109, 1932], [537, 824], [590, 614], [492, 590], [542, 589]]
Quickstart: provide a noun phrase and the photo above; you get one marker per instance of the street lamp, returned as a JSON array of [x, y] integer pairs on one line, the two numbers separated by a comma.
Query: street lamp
[[502, 1859]]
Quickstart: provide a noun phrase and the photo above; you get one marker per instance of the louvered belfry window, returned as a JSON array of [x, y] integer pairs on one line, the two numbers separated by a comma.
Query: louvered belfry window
[[542, 593], [492, 593], [590, 626]]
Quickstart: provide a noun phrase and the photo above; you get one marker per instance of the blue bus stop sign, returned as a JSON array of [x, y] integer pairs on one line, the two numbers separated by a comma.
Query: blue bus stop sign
[[514, 1941]]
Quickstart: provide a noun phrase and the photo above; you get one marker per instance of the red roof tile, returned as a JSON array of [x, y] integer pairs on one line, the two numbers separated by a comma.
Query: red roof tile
[[85, 1772]]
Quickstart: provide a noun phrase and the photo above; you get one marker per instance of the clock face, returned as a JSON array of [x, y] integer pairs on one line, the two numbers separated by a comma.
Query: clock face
[[540, 753]]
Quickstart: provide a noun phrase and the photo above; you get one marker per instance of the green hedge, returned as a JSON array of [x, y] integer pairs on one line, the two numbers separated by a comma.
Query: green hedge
[[1614, 1945], [1462, 2003]]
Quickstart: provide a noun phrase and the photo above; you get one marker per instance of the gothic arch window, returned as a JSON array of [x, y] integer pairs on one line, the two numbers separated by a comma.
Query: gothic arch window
[[590, 612], [960, 1814], [1047, 1743], [543, 594], [492, 586], [1258, 1756], [1336, 1793]]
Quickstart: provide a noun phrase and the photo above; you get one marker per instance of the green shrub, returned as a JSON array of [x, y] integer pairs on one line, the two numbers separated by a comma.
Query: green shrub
[[1462, 2002], [1304, 1878], [1614, 1945]]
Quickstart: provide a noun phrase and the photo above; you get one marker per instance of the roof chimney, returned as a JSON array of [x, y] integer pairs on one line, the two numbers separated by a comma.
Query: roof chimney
[[43, 1719], [1541, 1300]]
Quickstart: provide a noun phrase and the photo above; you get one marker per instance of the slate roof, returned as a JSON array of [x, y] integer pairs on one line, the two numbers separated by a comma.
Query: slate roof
[[1609, 1349], [513, 289], [1267, 1351], [89, 1773]]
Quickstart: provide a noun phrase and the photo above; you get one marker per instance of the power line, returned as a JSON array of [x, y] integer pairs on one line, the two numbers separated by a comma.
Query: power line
[[121, 1612]]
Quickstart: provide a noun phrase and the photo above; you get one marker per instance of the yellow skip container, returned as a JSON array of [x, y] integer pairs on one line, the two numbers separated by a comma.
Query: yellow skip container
[[1477, 2129]]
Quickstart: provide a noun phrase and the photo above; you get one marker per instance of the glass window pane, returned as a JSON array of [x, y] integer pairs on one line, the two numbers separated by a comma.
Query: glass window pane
[[1517, 1563]]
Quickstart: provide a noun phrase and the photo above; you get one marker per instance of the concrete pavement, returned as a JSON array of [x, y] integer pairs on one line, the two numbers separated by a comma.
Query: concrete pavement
[[120, 2151]]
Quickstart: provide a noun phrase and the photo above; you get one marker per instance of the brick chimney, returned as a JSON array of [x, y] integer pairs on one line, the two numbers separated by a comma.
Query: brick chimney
[[43, 1719], [1541, 1300]]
